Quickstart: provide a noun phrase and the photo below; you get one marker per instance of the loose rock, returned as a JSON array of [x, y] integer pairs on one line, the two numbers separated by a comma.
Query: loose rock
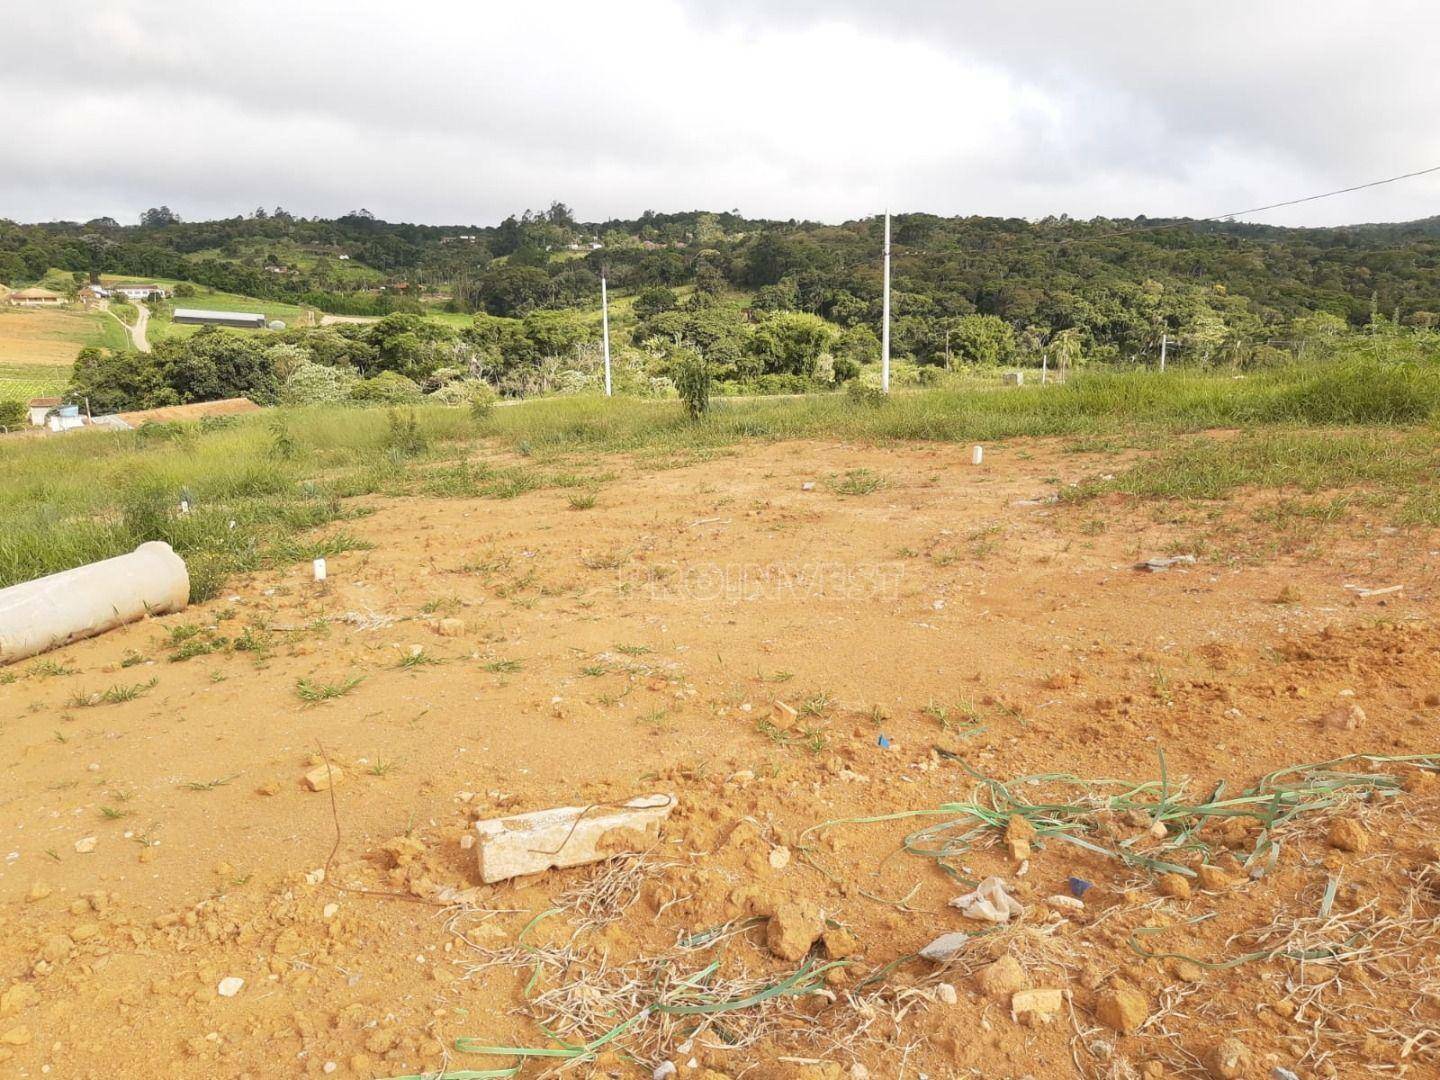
[[1037, 1005], [1018, 834], [1123, 1010], [230, 986], [840, 943], [945, 948], [1347, 834], [1002, 978], [793, 929], [323, 777], [1227, 1060], [1212, 878], [1173, 885], [1345, 716], [18, 997]]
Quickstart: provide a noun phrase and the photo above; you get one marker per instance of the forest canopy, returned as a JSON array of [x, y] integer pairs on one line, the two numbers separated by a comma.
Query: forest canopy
[[766, 305]]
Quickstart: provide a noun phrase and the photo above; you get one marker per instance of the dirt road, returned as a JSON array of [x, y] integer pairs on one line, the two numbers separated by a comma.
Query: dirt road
[[136, 332]]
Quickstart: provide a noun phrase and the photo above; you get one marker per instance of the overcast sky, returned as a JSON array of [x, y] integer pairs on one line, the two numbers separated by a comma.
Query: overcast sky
[[462, 111]]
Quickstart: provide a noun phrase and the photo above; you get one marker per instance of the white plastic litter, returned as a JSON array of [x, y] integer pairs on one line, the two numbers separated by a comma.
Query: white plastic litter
[[1162, 563], [319, 569], [989, 903]]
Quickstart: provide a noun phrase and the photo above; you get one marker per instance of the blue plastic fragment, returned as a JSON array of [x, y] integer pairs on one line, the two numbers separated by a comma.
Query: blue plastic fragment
[[1079, 887], [883, 742]]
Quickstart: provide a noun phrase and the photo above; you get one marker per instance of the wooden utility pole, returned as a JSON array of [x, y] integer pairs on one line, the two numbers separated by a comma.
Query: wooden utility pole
[[605, 326], [885, 326], [1164, 341]]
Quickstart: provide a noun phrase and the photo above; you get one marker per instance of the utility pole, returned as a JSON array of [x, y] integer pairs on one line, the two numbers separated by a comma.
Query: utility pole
[[949, 361], [1164, 341], [885, 327], [605, 326], [1044, 367]]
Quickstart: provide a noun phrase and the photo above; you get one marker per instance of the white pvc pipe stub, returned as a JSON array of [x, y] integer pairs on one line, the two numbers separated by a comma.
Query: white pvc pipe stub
[[73, 604], [320, 570], [977, 455]]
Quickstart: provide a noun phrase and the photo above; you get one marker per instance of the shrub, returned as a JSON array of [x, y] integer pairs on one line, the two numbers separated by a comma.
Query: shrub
[[405, 437], [482, 401], [779, 384], [386, 388], [457, 391], [12, 414], [318, 384], [692, 381], [1268, 356], [863, 393], [653, 301]]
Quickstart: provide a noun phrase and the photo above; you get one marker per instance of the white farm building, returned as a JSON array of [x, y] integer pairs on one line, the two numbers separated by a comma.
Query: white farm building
[[240, 320]]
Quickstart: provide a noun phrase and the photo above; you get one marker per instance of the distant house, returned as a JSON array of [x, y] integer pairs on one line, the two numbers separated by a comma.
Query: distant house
[[92, 293], [140, 292], [40, 407], [65, 418], [240, 320], [35, 298]]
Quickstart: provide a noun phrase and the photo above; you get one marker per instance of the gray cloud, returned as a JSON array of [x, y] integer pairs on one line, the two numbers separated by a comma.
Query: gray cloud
[[448, 111]]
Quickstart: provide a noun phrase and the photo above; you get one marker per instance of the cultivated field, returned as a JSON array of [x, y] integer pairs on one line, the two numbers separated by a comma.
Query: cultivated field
[[871, 673], [37, 347]]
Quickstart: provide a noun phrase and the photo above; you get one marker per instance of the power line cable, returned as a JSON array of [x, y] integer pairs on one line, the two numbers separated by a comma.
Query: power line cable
[[1325, 194], [1180, 223]]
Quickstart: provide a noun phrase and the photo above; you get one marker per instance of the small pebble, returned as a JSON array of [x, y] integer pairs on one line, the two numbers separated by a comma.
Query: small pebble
[[230, 986]]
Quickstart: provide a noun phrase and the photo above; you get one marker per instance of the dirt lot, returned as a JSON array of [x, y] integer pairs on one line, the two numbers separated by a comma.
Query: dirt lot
[[641, 645]]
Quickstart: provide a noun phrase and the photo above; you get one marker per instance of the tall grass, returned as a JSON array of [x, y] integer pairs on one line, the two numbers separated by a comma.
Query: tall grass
[[254, 484], [91, 494], [1297, 460], [1343, 393]]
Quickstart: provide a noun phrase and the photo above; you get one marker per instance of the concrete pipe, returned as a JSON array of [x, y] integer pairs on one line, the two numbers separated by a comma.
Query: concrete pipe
[[80, 603]]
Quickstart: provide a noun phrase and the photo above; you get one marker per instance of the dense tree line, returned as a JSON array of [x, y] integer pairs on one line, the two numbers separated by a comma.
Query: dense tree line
[[763, 305], [1117, 281]]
